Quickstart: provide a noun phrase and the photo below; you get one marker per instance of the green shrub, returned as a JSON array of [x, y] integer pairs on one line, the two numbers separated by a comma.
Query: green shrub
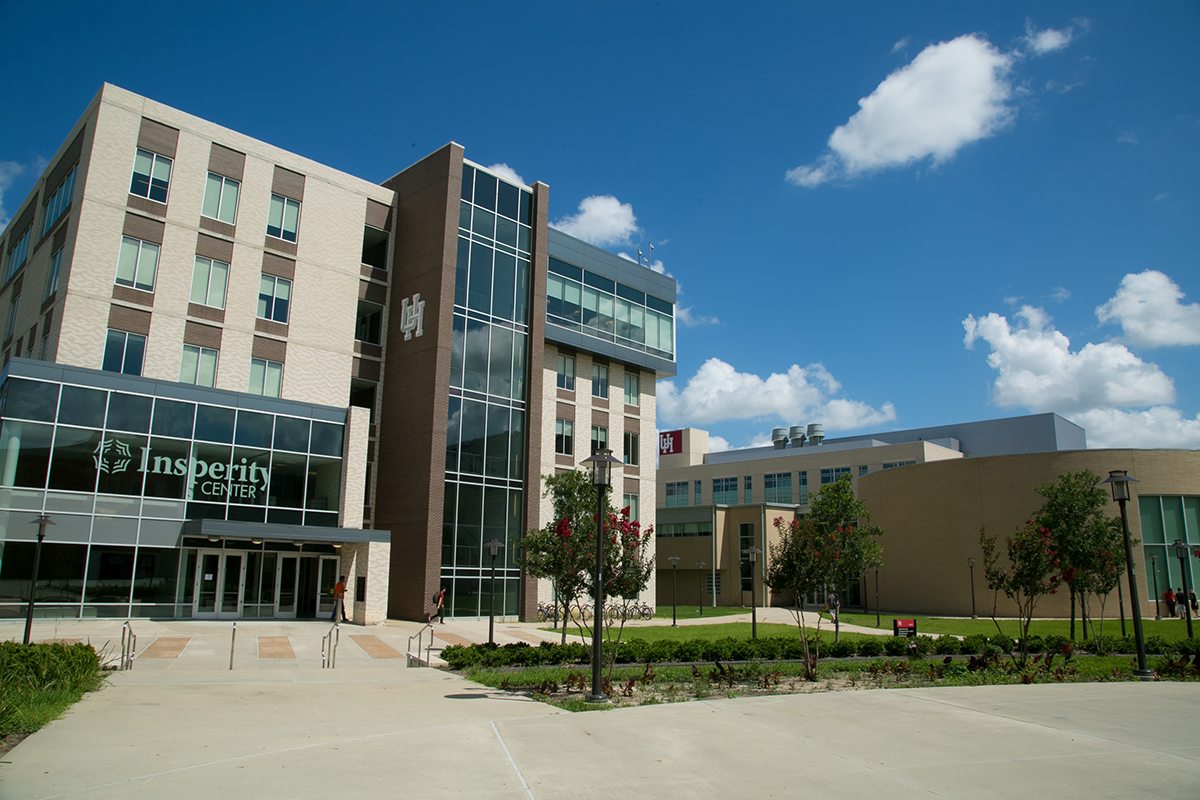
[[896, 646], [841, 649], [1035, 644], [921, 645], [1055, 643], [973, 645], [1189, 647], [870, 646], [947, 646], [1157, 645], [39, 681]]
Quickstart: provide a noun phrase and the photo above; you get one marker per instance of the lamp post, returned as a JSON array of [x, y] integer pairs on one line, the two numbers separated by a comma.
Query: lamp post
[[877, 597], [1119, 480], [1121, 607], [42, 521], [971, 566], [1154, 575], [1181, 552], [700, 565], [493, 547], [753, 552], [674, 587], [602, 462]]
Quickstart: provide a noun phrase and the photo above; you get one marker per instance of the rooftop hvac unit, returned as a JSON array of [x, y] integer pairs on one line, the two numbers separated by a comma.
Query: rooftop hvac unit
[[796, 434], [779, 438], [816, 433]]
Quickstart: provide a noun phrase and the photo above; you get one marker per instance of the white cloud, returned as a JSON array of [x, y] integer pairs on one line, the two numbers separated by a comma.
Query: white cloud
[[8, 171], [1128, 137], [718, 443], [1039, 371], [1060, 294], [657, 266], [1162, 196], [803, 394], [953, 93], [1049, 40], [900, 45], [688, 319], [1160, 426], [602, 220], [508, 173], [1148, 307]]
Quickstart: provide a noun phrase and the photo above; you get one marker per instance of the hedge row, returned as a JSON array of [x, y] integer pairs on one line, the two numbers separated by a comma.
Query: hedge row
[[636, 651]]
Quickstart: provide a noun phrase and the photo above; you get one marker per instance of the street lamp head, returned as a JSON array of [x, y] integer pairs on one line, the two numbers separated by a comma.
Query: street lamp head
[[700, 565], [754, 553], [1119, 480], [493, 547], [970, 562], [1179, 548], [602, 462], [674, 561]]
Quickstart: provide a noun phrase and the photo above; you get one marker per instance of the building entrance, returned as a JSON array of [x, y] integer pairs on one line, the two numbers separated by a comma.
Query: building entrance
[[306, 586], [220, 581]]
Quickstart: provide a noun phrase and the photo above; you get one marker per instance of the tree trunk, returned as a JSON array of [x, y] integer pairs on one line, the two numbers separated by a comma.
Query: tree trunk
[[1072, 613]]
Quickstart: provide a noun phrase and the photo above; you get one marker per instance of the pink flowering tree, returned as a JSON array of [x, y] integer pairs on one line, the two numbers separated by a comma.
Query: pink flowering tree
[[1034, 570], [628, 566]]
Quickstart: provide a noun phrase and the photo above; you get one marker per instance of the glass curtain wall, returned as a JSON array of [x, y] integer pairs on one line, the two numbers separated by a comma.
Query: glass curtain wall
[[1165, 520], [486, 437]]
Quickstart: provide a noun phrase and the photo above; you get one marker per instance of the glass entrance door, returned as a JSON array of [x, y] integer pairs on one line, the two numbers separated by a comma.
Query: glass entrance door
[[285, 580], [220, 581], [326, 585]]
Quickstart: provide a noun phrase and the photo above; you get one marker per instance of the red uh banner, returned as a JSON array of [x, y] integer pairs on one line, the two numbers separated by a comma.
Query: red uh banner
[[670, 443]]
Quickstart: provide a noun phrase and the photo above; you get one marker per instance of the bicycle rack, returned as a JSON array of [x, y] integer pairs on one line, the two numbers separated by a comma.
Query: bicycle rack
[[128, 646], [329, 643], [419, 636]]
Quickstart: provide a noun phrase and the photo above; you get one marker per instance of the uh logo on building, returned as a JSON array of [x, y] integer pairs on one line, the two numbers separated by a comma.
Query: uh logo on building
[[208, 479]]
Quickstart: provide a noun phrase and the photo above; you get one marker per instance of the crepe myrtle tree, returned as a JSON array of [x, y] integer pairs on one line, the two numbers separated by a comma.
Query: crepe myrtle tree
[[628, 567], [1033, 571]]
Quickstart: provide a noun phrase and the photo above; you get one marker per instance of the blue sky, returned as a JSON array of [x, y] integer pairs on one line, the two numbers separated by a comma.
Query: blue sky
[[893, 216]]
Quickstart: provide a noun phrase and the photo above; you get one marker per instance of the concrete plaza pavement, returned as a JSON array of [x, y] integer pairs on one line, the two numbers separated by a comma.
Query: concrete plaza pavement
[[279, 728]]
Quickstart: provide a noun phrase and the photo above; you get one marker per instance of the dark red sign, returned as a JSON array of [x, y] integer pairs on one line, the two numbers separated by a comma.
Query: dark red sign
[[670, 443], [904, 628]]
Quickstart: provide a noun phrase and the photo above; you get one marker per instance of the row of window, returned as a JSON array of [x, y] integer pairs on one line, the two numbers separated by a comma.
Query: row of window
[[152, 180], [566, 380], [125, 352], [777, 488], [56, 203], [564, 441], [597, 306]]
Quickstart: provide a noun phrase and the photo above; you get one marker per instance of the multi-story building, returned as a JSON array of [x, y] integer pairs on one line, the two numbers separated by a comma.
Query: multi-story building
[[233, 374], [930, 489]]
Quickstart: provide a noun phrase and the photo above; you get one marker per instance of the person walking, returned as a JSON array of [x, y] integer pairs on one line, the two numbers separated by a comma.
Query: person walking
[[339, 600], [440, 611], [1169, 599], [1181, 602]]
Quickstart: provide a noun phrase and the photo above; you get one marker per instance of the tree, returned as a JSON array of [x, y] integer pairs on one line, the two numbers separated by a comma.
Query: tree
[[1033, 571], [565, 550], [1080, 532], [627, 570], [822, 552]]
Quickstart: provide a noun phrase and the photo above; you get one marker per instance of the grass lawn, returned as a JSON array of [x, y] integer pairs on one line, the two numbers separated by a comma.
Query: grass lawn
[[693, 612], [1171, 630], [720, 630]]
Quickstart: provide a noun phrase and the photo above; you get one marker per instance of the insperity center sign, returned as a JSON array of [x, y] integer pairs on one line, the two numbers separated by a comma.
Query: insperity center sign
[[242, 479]]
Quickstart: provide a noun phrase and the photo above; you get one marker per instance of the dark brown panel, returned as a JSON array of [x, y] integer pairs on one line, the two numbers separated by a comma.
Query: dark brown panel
[[600, 402], [632, 486], [279, 244], [158, 138], [206, 312], [600, 418], [139, 227], [270, 327], [201, 335], [365, 349], [60, 238], [372, 292], [379, 215], [22, 222], [564, 411], [564, 461], [565, 394], [379, 275], [278, 266], [216, 226], [146, 206], [535, 425], [212, 247], [128, 295], [288, 183], [49, 318], [270, 349], [69, 157], [631, 410], [224, 161], [366, 369], [18, 283], [124, 318]]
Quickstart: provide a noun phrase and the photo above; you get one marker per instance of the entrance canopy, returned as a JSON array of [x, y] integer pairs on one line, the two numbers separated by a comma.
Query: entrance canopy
[[258, 531]]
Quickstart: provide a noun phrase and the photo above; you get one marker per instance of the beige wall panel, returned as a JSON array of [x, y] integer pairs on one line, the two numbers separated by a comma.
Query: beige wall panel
[[316, 375], [354, 479]]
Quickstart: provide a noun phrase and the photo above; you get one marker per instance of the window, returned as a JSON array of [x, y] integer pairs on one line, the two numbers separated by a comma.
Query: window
[[632, 441], [599, 380], [137, 264], [749, 493], [631, 389], [712, 583], [895, 464], [283, 218], [862, 470], [677, 494], [151, 176], [566, 373], [16, 256], [12, 317], [368, 324], [266, 377], [208, 282], [58, 202], [725, 491], [52, 277], [123, 352], [831, 475], [777, 488], [274, 296], [599, 438], [803, 484], [631, 502], [745, 542], [220, 198], [697, 492], [199, 366], [564, 437], [669, 530]]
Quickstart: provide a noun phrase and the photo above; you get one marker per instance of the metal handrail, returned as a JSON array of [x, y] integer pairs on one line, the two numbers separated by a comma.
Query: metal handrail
[[128, 646], [232, 640], [329, 643], [419, 636]]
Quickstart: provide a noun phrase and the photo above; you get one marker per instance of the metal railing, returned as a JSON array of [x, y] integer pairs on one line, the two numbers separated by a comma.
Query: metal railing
[[416, 660], [232, 640], [128, 646], [329, 643]]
